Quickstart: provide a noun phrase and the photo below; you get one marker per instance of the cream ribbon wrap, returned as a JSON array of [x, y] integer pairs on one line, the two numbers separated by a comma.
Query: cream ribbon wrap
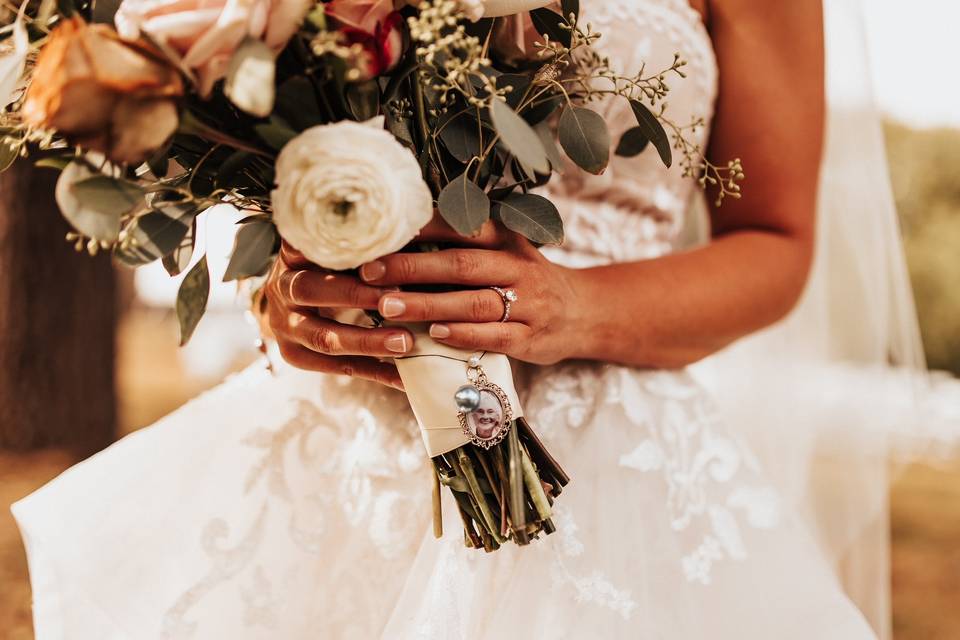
[[431, 375]]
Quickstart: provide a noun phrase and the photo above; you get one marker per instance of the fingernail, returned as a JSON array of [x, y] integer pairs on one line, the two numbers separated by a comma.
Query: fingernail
[[397, 343], [373, 270], [392, 307], [439, 331]]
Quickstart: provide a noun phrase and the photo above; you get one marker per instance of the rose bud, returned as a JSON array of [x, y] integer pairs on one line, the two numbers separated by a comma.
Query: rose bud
[[103, 93], [375, 27]]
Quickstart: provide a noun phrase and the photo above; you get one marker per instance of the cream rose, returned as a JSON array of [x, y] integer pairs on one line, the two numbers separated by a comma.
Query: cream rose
[[206, 33], [348, 193]]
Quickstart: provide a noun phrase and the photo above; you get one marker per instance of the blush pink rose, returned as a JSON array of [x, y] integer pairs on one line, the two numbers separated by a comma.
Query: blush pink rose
[[376, 27], [514, 36], [206, 33]]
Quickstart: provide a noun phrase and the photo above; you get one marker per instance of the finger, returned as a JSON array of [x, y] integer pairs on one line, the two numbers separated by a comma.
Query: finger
[[335, 339], [476, 267], [499, 337], [481, 305], [293, 258], [338, 290], [490, 235], [357, 367]]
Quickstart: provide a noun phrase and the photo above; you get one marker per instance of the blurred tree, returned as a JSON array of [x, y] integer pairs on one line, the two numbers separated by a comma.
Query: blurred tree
[[57, 325], [925, 170]]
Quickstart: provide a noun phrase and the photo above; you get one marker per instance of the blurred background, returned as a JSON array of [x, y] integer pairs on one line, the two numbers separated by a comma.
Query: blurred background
[[129, 333]]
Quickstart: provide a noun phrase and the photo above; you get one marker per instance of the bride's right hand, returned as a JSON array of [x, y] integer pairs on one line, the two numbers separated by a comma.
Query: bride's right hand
[[301, 302]]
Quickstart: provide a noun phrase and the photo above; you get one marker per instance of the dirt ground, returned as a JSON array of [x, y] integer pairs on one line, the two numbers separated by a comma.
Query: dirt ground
[[925, 521]]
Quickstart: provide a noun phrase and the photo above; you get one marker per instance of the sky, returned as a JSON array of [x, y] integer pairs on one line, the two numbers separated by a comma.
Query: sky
[[915, 53]]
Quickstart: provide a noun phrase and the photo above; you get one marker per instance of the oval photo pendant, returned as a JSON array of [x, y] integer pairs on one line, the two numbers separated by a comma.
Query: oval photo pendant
[[489, 423]]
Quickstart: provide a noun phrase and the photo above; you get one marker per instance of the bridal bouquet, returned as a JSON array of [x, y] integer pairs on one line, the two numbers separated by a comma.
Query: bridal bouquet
[[340, 126]]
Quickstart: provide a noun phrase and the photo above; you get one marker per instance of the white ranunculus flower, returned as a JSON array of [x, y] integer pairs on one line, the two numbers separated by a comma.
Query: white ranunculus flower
[[348, 193]]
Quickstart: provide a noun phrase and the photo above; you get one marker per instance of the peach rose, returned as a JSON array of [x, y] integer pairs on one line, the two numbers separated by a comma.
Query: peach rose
[[206, 33], [103, 93], [376, 27], [514, 36]]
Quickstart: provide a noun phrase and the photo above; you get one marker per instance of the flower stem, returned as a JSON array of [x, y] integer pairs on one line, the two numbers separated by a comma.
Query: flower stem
[[466, 465]]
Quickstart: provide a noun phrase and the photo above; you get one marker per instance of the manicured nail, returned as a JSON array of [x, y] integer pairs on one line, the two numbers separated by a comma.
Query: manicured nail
[[440, 331], [397, 343], [392, 307], [373, 271]]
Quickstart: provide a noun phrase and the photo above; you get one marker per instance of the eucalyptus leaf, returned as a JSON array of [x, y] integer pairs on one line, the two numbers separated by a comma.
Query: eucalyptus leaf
[[153, 236], [229, 168], [109, 194], [464, 205], [632, 143], [653, 130], [178, 260], [519, 137], [93, 203], [518, 84], [548, 139], [532, 216], [542, 109], [550, 23], [585, 138], [159, 162], [570, 6], [400, 128], [54, 162], [363, 99], [250, 78], [192, 299], [275, 134], [461, 138], [253, 250], [297, 103]]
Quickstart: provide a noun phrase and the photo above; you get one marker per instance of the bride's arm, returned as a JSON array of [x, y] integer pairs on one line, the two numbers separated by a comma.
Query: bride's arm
[[677, 309], [770, 113]]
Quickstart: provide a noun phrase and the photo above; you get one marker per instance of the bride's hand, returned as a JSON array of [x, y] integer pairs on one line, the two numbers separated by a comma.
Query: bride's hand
[[544, 321], [301, 303]]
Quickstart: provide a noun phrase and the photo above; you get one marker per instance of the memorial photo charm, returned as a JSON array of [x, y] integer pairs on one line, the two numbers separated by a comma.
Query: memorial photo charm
[[484, 411]]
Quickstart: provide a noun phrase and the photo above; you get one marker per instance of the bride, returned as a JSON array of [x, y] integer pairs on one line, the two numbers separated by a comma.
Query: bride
[[296, 504]]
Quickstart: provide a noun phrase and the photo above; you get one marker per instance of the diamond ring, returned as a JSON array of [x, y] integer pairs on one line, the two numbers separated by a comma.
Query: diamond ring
[[509, 296]]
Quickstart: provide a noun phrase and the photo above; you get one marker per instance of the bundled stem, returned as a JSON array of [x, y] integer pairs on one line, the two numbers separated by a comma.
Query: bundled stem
[[504, 493]]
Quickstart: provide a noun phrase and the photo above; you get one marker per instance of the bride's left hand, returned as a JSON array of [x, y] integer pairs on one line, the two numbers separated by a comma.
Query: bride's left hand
[[543, 324]]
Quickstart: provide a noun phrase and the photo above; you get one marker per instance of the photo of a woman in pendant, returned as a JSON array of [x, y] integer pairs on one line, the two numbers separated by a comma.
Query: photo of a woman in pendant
[[486, 421]]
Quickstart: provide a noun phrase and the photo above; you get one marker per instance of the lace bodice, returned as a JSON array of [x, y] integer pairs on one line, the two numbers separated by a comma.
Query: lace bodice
[[635, 210]]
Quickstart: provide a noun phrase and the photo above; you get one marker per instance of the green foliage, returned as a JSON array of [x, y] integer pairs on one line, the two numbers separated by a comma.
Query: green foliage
[[253, 250], [585, 138], [192, 299], [652, 130], [531, 216], [632, 143], [464, 205], [519, 137]]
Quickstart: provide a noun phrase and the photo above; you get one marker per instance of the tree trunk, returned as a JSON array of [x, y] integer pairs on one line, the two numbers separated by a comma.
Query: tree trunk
[[57, 325]]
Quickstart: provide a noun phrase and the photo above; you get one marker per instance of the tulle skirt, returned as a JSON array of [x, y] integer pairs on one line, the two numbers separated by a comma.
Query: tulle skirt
[[297, 505]]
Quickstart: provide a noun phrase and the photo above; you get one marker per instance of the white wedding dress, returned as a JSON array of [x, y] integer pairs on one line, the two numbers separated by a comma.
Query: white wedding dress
[[297, 505]]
